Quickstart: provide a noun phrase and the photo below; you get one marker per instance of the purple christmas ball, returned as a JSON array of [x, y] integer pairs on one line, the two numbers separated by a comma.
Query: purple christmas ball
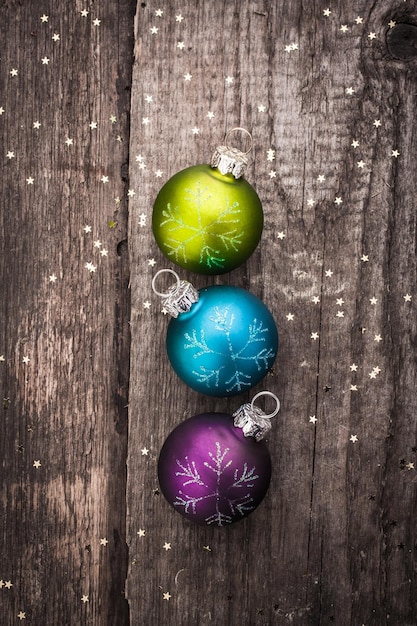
[[210, 472]]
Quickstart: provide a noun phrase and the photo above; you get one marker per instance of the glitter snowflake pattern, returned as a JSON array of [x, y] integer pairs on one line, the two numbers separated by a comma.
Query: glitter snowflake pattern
[[251, 353], [216, 236], [221, 492]]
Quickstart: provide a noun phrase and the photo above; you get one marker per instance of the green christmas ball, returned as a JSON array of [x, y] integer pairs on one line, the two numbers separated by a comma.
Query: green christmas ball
[[206, 221]]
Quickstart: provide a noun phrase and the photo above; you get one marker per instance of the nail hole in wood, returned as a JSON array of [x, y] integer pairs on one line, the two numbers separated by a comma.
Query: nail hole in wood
[[402, 41]]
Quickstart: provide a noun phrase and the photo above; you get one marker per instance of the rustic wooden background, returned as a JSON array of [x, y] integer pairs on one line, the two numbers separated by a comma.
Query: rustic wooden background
[[100, 103]]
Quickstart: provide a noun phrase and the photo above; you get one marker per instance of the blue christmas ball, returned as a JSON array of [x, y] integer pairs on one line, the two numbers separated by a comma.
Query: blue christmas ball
[[225, 344]]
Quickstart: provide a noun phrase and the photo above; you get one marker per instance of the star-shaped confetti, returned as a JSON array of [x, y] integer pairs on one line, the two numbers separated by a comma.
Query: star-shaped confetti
[[141, 532]]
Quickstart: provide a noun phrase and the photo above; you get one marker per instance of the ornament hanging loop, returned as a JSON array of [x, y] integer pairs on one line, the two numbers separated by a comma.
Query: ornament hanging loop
[[179, 298], [252, 420], [272, 395], [243, 130], [165, 271]]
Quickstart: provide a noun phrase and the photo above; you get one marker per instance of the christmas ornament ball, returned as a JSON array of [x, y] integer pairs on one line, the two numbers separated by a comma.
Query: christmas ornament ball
[[207, 221], [225, 343], [210, 472]]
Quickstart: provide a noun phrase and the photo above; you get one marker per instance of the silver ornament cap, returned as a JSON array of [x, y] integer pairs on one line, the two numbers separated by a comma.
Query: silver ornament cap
[[179, 298], [229, 160], [252, 420]]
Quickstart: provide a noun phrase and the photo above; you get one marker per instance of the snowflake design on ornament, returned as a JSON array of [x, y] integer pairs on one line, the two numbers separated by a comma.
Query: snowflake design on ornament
[[221, 492], [216, 236], [235, 358]]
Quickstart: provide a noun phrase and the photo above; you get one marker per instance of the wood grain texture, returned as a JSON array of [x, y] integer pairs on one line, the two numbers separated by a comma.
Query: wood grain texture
[[88, 396], [334, 541], [66, 406]]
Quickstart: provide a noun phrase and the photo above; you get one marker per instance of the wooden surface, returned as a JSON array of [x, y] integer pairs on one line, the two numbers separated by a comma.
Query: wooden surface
[[330, 99]]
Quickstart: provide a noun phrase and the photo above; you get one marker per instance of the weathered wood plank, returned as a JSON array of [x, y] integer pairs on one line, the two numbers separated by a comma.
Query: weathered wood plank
[[64, 336], [335, 539]]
